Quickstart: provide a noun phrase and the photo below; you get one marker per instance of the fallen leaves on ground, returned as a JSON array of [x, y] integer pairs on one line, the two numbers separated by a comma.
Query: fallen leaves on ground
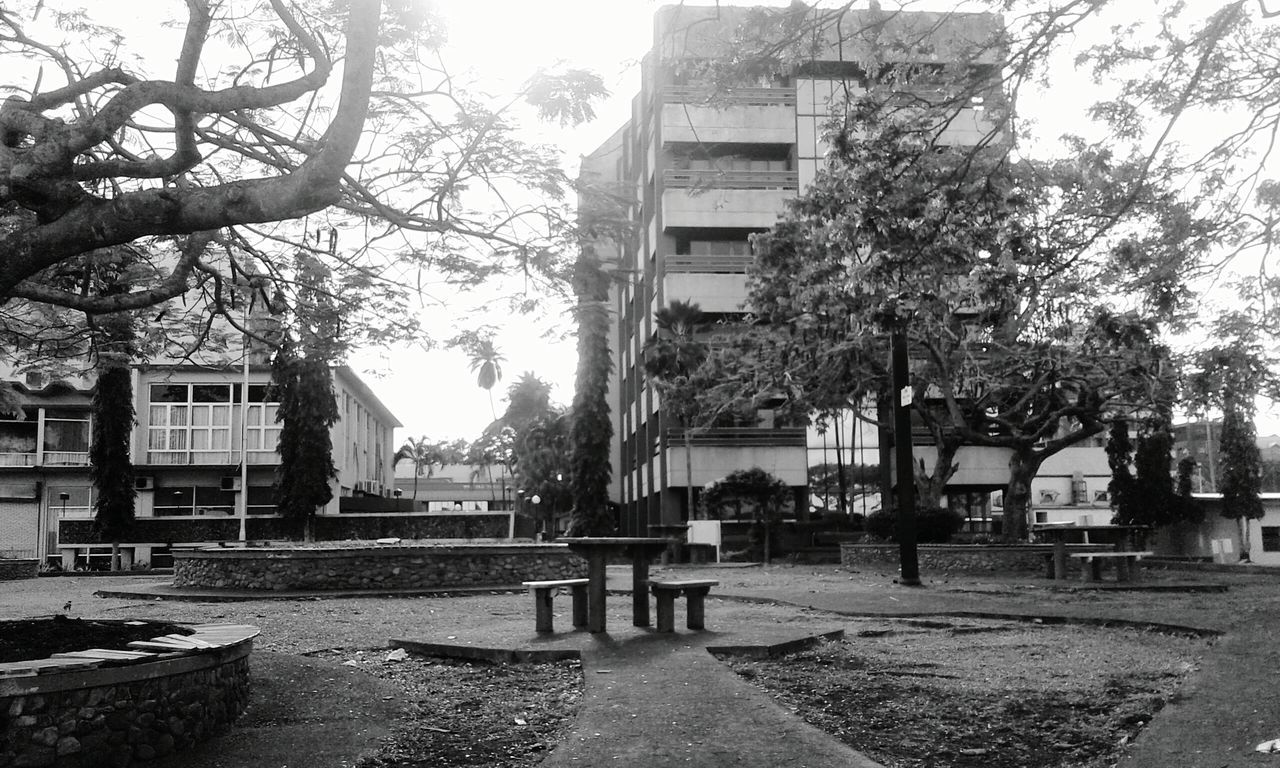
[[998, 695], [471, 713]]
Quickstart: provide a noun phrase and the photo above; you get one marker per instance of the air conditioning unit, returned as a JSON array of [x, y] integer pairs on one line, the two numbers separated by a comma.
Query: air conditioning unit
[[144, 483], [230, 483]]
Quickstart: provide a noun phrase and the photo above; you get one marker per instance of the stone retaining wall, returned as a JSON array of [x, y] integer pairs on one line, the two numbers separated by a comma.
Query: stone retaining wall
[[945, 558], [11, 570], [124, 715], [386, 567]]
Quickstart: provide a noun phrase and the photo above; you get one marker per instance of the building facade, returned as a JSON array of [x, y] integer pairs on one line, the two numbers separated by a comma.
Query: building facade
[[204, 456], [707, 168]]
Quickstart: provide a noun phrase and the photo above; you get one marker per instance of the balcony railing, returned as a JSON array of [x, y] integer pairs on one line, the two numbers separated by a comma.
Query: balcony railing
[[684, 94], [723, 265], [700, 179], [186, 458], [738, 437], [17, 459], [66, 458]]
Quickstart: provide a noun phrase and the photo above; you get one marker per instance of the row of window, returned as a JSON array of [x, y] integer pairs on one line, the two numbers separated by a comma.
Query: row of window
[[195, 420], [76, 501]]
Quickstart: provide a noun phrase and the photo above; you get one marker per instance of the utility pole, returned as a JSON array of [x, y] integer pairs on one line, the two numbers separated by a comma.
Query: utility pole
[[906, 512]]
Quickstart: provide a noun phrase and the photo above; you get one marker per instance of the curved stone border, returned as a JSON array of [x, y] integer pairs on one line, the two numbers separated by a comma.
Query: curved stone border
[[103, 706], [374, 567]]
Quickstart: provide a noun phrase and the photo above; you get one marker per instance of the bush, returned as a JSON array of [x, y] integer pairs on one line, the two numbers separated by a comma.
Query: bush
[[933, 526]]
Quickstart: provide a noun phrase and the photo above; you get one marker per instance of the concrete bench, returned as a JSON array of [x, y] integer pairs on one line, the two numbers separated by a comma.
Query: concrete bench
[[666, 593], [544, 591], [1126, 564]]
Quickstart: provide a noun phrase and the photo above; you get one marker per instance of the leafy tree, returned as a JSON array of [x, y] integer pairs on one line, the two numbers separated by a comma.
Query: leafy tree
[[592, 429], [1241, 479], [765, 494], [110, 465], [1122, 486], [303, 383], [994, 272], [543, 463], [1229, 376], [671, 361], [344, 113]]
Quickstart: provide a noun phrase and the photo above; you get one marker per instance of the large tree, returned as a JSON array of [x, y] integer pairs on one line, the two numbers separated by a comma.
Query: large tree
[[1022, 318], [672, 358], [303, 383], [334, 116], [110, 465]]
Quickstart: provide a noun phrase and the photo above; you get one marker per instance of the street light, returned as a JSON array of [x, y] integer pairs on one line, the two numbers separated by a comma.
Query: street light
[[534, 500]]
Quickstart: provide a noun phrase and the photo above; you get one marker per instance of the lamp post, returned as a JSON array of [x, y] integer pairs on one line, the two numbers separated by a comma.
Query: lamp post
[[534, 500]]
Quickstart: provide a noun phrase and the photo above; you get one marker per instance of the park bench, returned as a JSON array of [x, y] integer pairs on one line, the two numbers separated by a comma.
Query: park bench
[[544, 591], [666, 593], [1126, 564]]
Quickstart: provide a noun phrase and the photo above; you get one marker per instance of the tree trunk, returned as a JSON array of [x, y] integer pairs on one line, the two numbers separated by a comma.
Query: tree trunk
[[688, 474], [841, 504], [1243, 522], [1023, 466]]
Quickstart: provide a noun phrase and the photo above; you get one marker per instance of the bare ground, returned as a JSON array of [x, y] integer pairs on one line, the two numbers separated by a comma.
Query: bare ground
[[908, 692]]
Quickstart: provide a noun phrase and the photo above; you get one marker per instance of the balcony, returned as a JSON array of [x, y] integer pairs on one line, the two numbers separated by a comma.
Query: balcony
[[66, 458], [739, 436], [713, 292], [717, 452], [12, 459], [742, 116], [712, 265], [709, 198]]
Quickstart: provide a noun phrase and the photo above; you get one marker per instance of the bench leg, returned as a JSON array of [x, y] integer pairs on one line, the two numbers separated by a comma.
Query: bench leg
[[1124, 569], [697, 616], [542, 609], [1090, 570], [579, 605], [666, 611]]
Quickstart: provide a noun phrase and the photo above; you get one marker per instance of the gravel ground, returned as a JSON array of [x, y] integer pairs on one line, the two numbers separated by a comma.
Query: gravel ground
[[1029, 695], [917, 693]]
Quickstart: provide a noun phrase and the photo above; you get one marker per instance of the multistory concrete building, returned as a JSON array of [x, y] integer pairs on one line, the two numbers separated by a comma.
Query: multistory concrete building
[[707, 167]]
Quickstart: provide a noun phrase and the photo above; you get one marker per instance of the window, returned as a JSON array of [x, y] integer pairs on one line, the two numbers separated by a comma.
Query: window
[[66, 437], [190, 423], [1048, 497], [78, 501], [1271, 538], [262, 431], [194, 500], [18, 440]]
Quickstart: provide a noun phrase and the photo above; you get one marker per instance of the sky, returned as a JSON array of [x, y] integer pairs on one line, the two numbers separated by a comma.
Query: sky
[[502, 43]]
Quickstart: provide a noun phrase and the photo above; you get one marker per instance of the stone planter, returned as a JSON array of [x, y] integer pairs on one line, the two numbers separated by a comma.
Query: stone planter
[[120, 708], [380, 567], [958, 558], [25, 568]]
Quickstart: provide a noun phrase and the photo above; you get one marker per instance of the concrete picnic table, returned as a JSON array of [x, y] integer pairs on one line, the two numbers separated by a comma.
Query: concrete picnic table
[[597, 550], [1119, 536]]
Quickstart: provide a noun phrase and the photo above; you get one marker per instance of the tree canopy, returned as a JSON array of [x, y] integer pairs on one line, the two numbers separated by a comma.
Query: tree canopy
[[337, 127]]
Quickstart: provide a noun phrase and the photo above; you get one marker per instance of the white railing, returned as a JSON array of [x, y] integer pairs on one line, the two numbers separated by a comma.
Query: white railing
[[731, 179], [67, 458], [724, 265], [685, 94], [17, 459]]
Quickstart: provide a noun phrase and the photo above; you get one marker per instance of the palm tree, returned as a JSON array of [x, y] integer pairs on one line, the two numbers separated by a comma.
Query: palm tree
[[486, 363], [670, 360], [423, 453]]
